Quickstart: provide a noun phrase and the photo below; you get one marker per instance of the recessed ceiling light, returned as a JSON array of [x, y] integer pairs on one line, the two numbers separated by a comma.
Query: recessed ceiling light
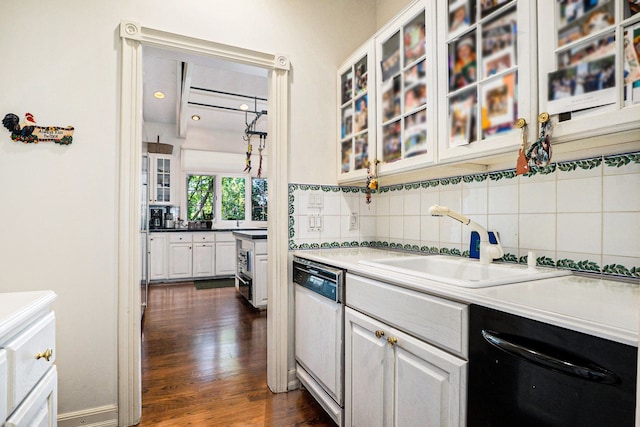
[[158, 94], [244, 107], [195, 117]]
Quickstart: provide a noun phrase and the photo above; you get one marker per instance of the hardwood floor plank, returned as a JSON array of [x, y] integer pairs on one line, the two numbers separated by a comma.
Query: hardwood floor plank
[[204, 363]]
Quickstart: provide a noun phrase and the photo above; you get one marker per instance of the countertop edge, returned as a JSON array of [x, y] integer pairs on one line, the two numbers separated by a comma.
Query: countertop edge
[[26, 304]]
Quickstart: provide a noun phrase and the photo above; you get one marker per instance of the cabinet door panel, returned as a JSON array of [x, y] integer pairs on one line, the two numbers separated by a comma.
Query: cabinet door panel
[[260, 280], [429, 384], [40, 407], [180, 260], [203, 258], [157, 257], [225, 258], [364, 371], [3, 385], [587, 74]]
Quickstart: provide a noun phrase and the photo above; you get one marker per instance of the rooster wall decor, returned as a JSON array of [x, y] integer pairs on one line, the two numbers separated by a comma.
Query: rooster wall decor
[[28, 132]]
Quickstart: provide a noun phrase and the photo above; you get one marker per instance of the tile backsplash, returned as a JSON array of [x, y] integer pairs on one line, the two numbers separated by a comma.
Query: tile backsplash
[[582, 215]]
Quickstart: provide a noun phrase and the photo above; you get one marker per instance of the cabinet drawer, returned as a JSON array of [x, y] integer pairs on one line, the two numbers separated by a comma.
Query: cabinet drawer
[[204, 237], [3, 385], [180, 237], [24, 369], [40, 408], [435, 320], [225, 237]]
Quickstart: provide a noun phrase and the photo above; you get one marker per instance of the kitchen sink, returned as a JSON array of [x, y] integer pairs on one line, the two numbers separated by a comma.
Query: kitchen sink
[[463, 272]]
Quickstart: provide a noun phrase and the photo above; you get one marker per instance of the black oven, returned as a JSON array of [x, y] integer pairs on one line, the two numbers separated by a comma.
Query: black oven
[[244, 272], [527, 373], [245, 286]]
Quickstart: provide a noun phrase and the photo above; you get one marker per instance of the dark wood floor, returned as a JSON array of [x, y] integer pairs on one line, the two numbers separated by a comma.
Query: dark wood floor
[[204, 364]]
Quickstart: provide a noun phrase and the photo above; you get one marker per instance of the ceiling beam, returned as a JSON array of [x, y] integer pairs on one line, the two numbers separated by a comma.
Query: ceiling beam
[[185, 72]]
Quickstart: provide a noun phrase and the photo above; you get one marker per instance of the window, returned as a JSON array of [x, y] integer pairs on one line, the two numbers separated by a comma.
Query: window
[[233, 195], [200, 197], [226, 197], [258, 199]]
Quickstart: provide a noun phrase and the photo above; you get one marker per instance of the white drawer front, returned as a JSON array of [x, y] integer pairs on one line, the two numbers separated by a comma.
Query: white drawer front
[[204, 237], [24, 369], [40, 408], [180, 237], [225, 237], [3, 385], [432, 319]]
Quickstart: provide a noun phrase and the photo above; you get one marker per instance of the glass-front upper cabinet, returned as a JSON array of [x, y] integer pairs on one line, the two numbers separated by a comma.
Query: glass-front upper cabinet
[[589, 53], [487, 76], [406, 90], [356, 117], [161, 189]]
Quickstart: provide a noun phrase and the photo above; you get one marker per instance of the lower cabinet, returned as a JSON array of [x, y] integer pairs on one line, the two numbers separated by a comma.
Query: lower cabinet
[[394, 379], [186, 255], [28, 376], [260, 280], [158, 260], [225, 256], [204, 255], [180, 261]]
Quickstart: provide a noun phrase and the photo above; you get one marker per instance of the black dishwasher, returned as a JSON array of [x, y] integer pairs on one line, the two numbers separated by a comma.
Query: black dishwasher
[[527, 373]]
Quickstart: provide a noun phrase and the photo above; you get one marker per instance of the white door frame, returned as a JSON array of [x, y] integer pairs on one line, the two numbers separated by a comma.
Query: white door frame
[[133, 37]]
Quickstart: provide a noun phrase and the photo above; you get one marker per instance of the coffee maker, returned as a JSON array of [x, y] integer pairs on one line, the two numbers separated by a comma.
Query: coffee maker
[[155, 218]]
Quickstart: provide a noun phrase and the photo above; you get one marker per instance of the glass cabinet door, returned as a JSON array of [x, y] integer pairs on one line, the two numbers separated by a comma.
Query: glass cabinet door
[[589, 57], [406, 90], [356, 116], [487, 79], [162, 180]]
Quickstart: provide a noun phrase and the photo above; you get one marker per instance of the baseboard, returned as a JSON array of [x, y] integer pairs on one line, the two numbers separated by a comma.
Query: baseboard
[[293, 383], [103, 416]]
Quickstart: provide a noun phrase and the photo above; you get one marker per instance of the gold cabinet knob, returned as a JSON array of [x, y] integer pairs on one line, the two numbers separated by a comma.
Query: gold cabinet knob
[[392, 340], [379, 334], [45, 355], [543, 117], [520, 123]]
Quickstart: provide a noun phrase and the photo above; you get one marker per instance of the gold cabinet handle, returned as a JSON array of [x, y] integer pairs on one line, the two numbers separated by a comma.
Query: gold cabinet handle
[[45, 355], [379, 334], [392, 340]]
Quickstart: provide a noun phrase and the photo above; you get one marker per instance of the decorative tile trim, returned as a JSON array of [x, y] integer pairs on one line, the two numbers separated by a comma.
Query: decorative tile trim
[[613, 161], [620, 160], [582, 164]]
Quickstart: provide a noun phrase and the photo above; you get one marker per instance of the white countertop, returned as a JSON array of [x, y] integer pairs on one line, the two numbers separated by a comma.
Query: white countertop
[[604, 308], [251, 234], [16, 307]]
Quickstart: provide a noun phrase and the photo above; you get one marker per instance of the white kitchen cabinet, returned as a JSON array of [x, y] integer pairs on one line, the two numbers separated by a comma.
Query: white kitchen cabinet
[[584, 41], [28, 376], [394, 379], [405, 356], [158, 260], [252, 244], [180, 255], [487, 77], [260, 280], [225, 263], [356, 114], [406, 90], [161, 187], [204, 255]]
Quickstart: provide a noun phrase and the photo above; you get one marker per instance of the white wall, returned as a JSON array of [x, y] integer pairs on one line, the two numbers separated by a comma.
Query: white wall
[[59, 204]]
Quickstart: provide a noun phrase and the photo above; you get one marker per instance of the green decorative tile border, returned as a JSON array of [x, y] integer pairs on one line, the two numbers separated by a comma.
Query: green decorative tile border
[[587, 266]]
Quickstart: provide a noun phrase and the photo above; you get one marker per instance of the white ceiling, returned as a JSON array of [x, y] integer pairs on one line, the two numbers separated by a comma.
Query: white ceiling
[[167, 70]]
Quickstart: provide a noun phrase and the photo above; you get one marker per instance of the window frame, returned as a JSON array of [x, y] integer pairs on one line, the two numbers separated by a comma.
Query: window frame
[[217, 207]]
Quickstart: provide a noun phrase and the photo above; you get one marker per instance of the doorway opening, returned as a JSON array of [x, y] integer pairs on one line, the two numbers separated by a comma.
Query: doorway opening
[[134, 39]]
